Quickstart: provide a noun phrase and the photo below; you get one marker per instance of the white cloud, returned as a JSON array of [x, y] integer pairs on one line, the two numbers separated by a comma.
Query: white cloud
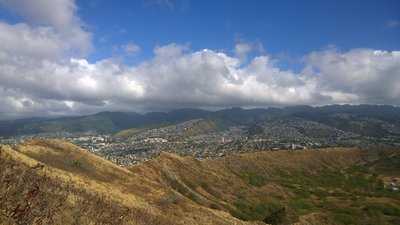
[[243, 49], [58, 17], [178, 77], [371, 76], [56, 13], [42, 72]]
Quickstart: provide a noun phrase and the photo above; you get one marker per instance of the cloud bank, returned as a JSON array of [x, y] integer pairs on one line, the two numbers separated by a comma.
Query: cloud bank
[[43, 71]]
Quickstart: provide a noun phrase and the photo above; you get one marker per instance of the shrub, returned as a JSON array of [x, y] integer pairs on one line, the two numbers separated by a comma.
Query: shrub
[[76, 163], [276, 217], [386, 209], [343, 218], [301, 205], [254, 179], [269, 212]]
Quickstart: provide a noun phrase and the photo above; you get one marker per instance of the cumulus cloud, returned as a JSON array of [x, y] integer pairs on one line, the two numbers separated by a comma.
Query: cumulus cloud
[[243, 49], [364, 75], [23, 41], [178, 77], [42, 74], [57, 13], [59, 20]]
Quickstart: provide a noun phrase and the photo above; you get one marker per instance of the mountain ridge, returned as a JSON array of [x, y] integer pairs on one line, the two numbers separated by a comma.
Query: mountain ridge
[[111, 122]]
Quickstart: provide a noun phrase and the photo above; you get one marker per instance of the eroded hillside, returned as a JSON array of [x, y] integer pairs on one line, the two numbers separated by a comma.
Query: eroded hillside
[[53, 182]]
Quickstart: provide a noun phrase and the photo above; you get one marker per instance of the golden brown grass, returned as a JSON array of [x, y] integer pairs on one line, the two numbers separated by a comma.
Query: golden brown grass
[[54, 182], [72, 186]]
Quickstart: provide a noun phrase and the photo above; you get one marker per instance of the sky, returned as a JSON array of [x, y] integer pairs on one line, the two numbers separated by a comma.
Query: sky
[[74, 57]]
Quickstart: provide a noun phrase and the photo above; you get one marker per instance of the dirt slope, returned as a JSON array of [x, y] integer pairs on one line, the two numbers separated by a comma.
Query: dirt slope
[[54, 182]]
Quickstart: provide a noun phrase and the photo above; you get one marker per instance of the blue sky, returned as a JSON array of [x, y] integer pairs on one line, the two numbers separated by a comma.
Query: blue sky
[[291, 28], [74, 57]]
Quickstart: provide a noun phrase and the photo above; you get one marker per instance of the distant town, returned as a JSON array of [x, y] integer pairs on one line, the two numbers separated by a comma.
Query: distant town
[[198, 138]]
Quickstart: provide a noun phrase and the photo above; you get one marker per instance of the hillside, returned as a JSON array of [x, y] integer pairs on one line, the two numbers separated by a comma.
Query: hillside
[[366, 120], [63, 184], [187, 128], [103, 122]]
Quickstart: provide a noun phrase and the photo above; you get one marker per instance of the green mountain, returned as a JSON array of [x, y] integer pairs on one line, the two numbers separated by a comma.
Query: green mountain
[[367, 120]]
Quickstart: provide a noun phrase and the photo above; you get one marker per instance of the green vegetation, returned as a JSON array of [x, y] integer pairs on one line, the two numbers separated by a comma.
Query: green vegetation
[[384, 208], [253, 178], [366, 120], [128, 132], [271, 212], [76, 163], [354, 194], [301, 205], [350, 196]]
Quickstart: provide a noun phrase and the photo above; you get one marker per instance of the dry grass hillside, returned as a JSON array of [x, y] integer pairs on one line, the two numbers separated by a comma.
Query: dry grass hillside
[[53, 182]]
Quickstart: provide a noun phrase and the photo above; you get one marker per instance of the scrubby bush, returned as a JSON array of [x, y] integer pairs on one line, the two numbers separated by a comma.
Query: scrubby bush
[[76, 163]]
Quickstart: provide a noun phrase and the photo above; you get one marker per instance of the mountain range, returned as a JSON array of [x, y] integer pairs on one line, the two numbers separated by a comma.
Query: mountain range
[[368, 120]]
